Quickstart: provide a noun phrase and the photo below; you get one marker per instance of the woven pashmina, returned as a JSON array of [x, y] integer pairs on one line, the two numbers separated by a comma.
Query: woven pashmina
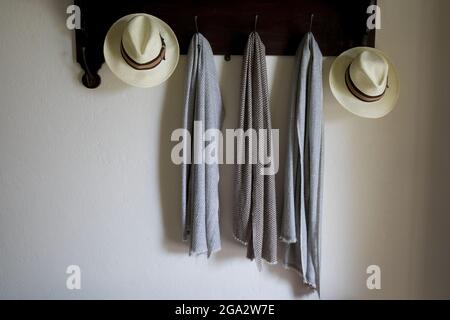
[[200, 182], [300, 226], [255, 220]]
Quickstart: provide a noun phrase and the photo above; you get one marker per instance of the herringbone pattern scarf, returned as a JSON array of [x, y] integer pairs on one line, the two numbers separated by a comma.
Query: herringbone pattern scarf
[[255, 220]]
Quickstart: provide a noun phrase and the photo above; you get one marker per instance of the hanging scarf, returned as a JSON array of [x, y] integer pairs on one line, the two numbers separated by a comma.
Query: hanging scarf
[[254, 220], [200, 182], [304, 158]]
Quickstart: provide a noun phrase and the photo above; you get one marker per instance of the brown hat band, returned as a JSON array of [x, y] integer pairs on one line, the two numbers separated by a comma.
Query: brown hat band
[[358, 93], [148, 65]]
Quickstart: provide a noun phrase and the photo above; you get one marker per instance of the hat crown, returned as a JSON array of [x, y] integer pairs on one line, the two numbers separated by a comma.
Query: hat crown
[[369, 73], [141, 39]]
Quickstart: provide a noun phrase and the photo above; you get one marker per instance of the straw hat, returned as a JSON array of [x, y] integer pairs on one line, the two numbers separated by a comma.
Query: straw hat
[[141, 50], [364, 81]]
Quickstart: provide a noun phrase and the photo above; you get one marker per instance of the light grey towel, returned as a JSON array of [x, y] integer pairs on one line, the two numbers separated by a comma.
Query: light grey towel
[[303, 175], [200, 182], [254, 220]]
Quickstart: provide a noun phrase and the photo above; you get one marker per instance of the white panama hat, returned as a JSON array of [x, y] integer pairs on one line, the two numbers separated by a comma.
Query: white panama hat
[[141, 50], [364, 81]]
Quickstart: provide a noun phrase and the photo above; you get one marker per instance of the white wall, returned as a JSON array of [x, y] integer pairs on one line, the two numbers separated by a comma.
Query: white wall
[[86, 177]]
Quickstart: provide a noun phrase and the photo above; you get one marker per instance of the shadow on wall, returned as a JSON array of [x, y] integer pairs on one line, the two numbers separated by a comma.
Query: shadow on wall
[[169, 173], [333, 112], [435, 253]]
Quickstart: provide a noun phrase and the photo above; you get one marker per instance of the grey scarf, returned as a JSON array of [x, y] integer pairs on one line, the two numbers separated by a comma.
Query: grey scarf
[[200, 189], [254, 220], [303, 175]]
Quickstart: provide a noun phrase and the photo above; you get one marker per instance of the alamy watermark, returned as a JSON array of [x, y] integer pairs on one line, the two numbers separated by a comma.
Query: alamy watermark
[[74, 20], [374, 20], [374, 280], [207, 147], [73, 281]]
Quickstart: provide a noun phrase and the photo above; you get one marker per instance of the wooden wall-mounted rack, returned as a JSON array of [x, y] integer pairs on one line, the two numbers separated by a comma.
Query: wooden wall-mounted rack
[[338, 25]]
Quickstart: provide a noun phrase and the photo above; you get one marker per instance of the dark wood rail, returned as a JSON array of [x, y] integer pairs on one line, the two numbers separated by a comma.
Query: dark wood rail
[[338, 25]]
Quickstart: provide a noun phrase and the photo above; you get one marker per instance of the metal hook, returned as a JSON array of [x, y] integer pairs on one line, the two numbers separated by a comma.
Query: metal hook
[[256, 22], [89, 79], [311, 22], [196, 25]]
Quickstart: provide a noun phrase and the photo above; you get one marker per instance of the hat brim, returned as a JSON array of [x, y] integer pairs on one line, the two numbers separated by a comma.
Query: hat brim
[[345, 98], [131, 76]]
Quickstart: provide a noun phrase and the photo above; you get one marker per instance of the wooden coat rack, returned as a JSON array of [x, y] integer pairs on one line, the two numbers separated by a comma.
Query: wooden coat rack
[[338, 25]]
